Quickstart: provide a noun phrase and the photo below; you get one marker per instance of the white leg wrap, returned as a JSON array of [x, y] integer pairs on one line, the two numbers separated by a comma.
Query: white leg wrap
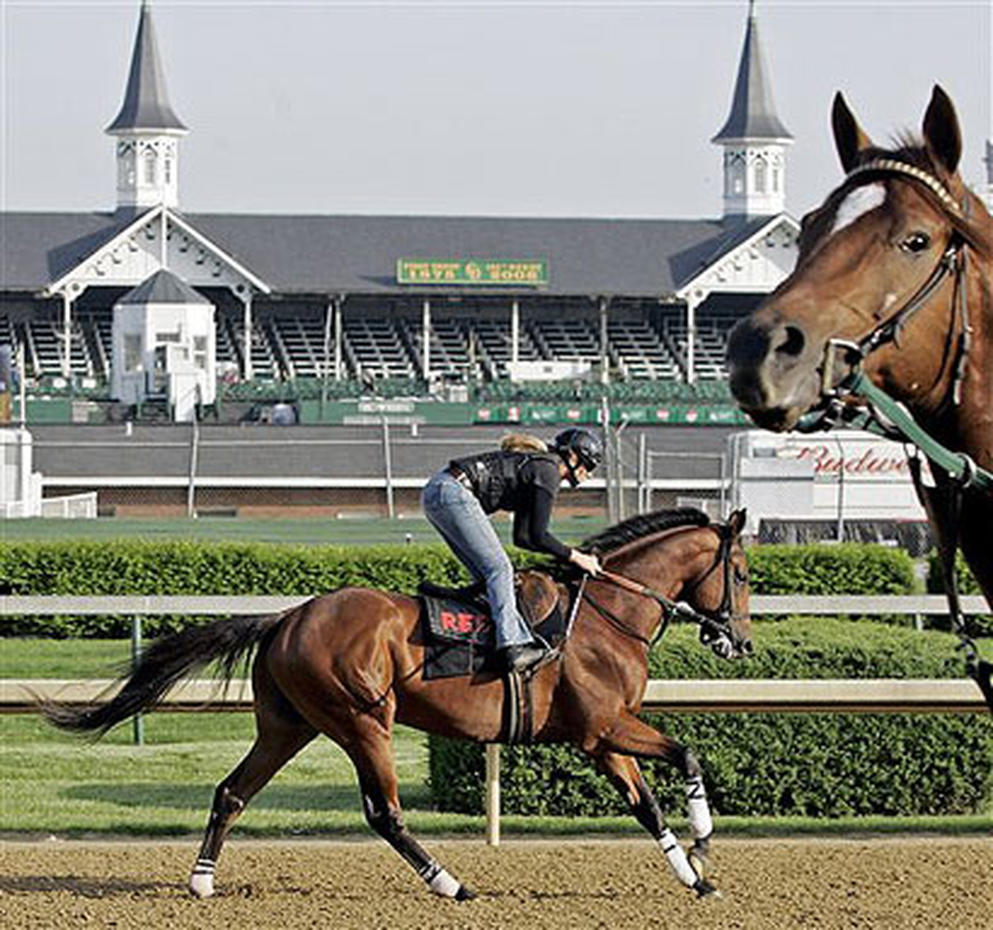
[[677, 858], [202, 879], [701, 823], [444, 885]]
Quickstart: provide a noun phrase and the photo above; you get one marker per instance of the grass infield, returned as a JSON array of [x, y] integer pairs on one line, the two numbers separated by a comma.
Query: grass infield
[[351, 531]]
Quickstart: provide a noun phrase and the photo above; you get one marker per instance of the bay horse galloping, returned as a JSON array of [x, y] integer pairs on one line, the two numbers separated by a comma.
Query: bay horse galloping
[[892, 288], [348, 665]]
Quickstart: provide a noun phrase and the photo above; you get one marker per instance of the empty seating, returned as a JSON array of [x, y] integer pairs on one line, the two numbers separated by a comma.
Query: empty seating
[[709, 345], [302, 338], [378, 348], [492, 337], [288, 342], [643, 355], [567, 340], [264, 358]]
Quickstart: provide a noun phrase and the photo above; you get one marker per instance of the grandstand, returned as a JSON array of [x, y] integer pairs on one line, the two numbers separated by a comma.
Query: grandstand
[[289, 344], [389, 305]]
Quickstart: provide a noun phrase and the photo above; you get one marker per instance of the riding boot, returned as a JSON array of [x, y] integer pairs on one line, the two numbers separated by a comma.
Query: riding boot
[[522, 656]]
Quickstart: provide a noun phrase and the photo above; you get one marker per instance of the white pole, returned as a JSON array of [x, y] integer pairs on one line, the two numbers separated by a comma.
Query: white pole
[[691, 304], [339, 338], [515, 332], [66, 335], [426, 335], [22, 391], [604, 349], [492, 794], [247, 374]]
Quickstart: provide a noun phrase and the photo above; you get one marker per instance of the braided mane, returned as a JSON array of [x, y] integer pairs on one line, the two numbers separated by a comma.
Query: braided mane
[[643, 525]]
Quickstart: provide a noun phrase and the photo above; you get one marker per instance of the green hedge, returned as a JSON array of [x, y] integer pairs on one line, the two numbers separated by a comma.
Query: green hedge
[[140, 567], [823, 765], [850, 568], [197, 567]]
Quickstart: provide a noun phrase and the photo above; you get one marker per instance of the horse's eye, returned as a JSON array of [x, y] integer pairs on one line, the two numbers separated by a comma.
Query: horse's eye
[[916, 242], [739, 576]]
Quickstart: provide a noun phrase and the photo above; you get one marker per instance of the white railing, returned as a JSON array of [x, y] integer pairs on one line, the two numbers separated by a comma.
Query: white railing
[[71, 506], [152, 605]]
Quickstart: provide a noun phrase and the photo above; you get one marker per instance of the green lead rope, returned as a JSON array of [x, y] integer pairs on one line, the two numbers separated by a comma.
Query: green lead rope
[[960, 467], [890, 419]]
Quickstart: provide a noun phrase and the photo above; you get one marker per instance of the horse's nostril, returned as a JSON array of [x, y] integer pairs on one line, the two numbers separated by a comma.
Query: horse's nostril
[[792, 342]]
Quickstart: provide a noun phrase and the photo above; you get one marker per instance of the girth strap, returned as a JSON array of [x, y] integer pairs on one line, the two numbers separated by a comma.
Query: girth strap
[[518, 708]]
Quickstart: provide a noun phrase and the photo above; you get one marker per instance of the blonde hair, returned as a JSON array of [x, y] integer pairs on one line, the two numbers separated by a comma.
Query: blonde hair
[[522, 442]]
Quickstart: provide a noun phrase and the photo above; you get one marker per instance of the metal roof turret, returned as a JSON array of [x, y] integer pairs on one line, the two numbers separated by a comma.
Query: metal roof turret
[[752, 115], [146, 106]]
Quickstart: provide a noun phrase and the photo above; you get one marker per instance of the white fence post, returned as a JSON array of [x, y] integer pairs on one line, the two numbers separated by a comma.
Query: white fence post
[[492, 794]]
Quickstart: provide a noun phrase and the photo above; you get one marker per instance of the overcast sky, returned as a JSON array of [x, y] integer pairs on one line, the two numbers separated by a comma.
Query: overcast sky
[[470, 108]]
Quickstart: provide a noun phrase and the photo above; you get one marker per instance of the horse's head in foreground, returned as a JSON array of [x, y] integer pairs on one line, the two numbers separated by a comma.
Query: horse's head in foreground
[[893, 236]]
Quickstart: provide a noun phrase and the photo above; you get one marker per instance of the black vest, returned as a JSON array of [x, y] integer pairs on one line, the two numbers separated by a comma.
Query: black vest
[[496, 476]]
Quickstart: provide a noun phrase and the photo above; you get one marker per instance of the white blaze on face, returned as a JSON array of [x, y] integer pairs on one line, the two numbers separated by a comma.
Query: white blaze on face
[[858, 202]]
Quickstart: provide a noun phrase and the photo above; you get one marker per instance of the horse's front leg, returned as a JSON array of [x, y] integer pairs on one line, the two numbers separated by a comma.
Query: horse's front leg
[[632, 737]]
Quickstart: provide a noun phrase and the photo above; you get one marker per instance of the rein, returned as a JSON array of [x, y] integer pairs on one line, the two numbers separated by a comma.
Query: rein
[[712, 628]]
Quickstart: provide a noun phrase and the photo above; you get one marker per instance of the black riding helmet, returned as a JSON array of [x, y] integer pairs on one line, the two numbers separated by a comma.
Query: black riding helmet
[[586, 445]]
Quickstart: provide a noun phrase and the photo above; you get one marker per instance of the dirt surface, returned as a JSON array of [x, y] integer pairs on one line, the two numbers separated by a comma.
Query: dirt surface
[[863, 883]]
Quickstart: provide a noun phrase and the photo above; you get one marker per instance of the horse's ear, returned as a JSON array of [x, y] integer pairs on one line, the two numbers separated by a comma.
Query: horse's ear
[[941, 131], [849, 139], [736, 522]]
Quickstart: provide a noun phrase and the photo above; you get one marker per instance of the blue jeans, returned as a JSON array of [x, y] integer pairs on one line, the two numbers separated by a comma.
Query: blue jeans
[[455, 512]]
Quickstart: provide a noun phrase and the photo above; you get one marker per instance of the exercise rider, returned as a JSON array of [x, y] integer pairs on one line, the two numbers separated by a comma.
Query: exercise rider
[[523, 477]]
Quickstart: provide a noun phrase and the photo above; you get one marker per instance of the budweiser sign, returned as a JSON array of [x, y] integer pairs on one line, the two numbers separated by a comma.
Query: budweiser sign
[[828, 459]]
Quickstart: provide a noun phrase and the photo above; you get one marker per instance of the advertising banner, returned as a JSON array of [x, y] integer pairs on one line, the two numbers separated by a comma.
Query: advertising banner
[[489, 272]]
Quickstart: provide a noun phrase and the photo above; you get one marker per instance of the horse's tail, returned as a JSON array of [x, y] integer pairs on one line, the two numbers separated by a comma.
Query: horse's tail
[[162, 665]]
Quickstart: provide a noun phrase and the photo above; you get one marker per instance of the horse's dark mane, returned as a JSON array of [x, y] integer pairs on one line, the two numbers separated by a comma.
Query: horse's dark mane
[[643, 525]]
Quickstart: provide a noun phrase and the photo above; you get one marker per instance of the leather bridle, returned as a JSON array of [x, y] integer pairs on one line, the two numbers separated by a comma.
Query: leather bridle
[[716, 627], [952, 262]]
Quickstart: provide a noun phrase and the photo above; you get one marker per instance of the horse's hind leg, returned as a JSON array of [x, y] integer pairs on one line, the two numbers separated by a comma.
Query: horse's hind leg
[[281, 734], [371, 752]]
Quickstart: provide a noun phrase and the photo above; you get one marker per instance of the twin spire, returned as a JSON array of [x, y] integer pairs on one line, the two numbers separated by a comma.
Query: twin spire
[[147, 128], [754, 139]]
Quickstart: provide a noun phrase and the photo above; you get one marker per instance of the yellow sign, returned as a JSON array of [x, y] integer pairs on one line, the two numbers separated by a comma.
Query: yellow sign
[[484, 271]]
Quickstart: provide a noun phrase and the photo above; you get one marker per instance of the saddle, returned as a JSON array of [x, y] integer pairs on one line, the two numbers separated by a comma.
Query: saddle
[[457, 627]]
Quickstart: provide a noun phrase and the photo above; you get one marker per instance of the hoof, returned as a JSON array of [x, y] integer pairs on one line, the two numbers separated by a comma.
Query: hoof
[[202, 886], [704, 889], [464, 894]]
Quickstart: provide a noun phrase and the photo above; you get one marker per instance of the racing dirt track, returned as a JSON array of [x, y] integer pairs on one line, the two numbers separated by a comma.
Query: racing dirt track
[[777, 884]]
